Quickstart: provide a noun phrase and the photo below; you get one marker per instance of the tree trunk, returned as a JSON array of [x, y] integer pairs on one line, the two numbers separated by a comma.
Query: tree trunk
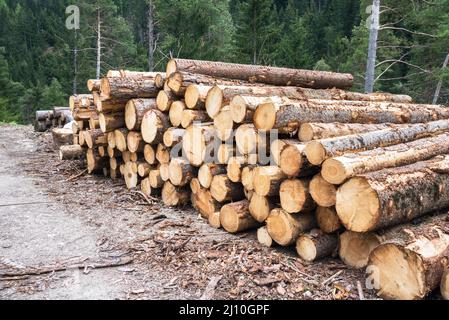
[[154, 124], [263, 74], [151, 40], [128, 88], [316, 245], [111, 122], [285, 228], [225, 152], [98, 71], [328, 220], [208, 171], [338, 170], [135, 142], [294, 163], [392, 196], [440, 83], [224, 190], [267, 181], [412, 265], [71, 152], [295, 196], [261, 207], [131, 176], [173, 136], [181, 172], [135, 110], [143, 169], [323, 192], [198, 142], [164, 100], [236, 165], [235, 217], [159, 80], [173, 196], [95, 163], [372, 47], [319, 151]]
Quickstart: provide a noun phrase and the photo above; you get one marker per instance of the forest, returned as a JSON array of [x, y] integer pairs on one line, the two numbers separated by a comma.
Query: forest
[[42, 62]]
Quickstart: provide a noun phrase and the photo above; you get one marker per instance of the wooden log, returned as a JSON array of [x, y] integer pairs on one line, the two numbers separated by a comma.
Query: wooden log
[[154, 124], [355, 247], [316, 245], [285, 228], [198, 142], [135, 110], [235, 217], [295, 196], [261, 207], [149, 154], [146, 188], [277, 146], [164, 171], [412, 265], [81, 138], [320, 150], [126, 156], [207, 172], [318, 131], [94, 122], [214, 220], [95, 138], [131, 175], [267, 180], [102, 152], [165, 100], [236, 165], [190, 116], [224, 190], [137, 74], [181, 172], [111, 122], [93, 85], [444, 287], [206, 204], [195, 185], [163, 154], [95, 163], [109, 105], [115, 163], [174, 196], [225, 152], [111, 140], [135, 142], [338, 170], [323, 192], [392, 196], [159, 80], [248, 194], [121, 138], [75, 101], [243, 107], [263, 74], [128, 88], [224, 125], [249, 140], [143, 169], [155, 179], [176, 113], [248, 177], [173, 137], [294, 163], [71, 152], [264, 237], [287, 118], [62, 137], [44, 115], [196, 96], [327, 219]]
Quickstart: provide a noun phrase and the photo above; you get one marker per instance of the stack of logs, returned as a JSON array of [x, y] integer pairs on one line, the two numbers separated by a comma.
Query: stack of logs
[[48, 119], [290, 153]]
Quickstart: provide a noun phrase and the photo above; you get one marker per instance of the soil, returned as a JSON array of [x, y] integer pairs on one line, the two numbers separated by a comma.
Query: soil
[[68, 235]]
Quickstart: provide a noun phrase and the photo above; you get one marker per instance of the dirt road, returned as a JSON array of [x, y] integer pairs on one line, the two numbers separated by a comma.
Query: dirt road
[[109, 243]]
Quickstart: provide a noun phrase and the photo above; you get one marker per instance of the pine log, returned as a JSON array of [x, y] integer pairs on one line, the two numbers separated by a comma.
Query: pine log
[[444, 286], [93, 85], [81, 138], [154, 124], [355, 248], [135, 142], [293, 161], [261, 207], [115, 163], [295, 196], [95, 138], [155, 179], [181, 172], [249, 140], [176, 113], [198, 143], [236, 165], [285, 228], [338, 170], [328, 220], [248, 194], [263, 74], [224, 125], [143, 169], [225, 152], [71, 152], [111, 122], [128, 88], [196, 96], [111, 140], [235, 217], [267, 180], [243, 107], [412, 265], [206, 204], [94, 122], [126, 156], [75, 101], [113, 153], [62, 137], [135, 110], [277, 146], [165, 100], [287, 118], [320, 150], [131, 175], [121, 137], [163, 154], [214, 220], [174, 196], [264, 237], [224, 190], [392, 196], [109, 105], [102, 151], [323, 192], [190, 116], [207, 172], [95, 163], [173, 137], [145, 187], [247, 178], [149, 154], [316, 245], [137, 74], [159, 80]]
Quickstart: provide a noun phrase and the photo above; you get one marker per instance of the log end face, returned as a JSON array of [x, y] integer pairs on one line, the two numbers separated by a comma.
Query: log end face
[[323, 192], [105, 88], [291, 161], [229, 219], [192, 96], [305, 133], [400, 273], [149, 127], [315, 153], [279, 227], [130, 115], [333, 171], [259, 208], [293, 195], [162, 101], [265, 116], [103, 124], [264, 237], [358, 205], [172, 67], [204, 176], [214, 101], [238, 109], [355, 248], [306, 249]]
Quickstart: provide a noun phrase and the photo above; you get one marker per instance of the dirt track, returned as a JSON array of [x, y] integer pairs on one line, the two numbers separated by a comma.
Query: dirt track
[[50, 218]]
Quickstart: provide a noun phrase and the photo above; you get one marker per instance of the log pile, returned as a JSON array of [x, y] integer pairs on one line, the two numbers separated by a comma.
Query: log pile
[[49, 119], [289, 153]]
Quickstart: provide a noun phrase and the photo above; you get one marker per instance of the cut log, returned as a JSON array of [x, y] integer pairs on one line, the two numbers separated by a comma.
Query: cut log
[[318, 131], [137, 74], [224, 125], [243, 107], [235, 217], [196, 96], [249, 140], [195, 185], [191, 116], [261, 207], [316, 245], [81, 138], [392, 196], [128, 88], [155, 179], [121, 137], [131, 176], [214, 220], [102, 151], [135, 110], [113, 153], [224, 190], [173, 137], [412, 265], [355, 248], [327, 219], [126, 156], [285, 228], [111, 122], [145, 187], [115, 163], [176, 113], [248, 194], [163, 154], [135, 142], [248, 177], [62, 137], [319, 151], [149, 154], [94, 122], [263, 74], [181, 172], [207, 172], [173, 196], [338, 170], [72, 152], [111, 140], [295, 196], [198, 143], [206, 204], [95, 163], [225, 152], [444, 287], [287, 118], [159, 80], [236, 165], [95, 138], [294, 163], [143, 169], [165, 100], [93, 85], [110, 106], [164, 171], [323, 192], [154, 124], [277, 146], [267, 180], [264, 237]]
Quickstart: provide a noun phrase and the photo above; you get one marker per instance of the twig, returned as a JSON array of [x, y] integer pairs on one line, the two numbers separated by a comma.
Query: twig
[[360, 290], [77, 176], [331, 278], [22, 204], [143, 195]]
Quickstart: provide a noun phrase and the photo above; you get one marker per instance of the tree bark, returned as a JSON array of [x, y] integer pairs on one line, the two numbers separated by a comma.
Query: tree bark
[[224, 190], [62, 137], [316, 245], [71, 152], [135, 110], [128, 88]]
